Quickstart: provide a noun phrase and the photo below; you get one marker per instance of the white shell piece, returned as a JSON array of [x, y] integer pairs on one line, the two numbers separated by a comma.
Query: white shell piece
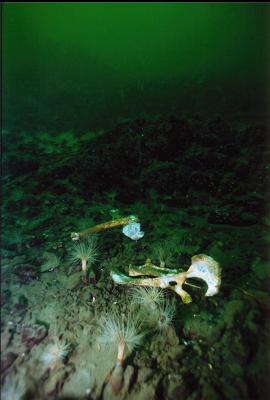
[[133, 231]]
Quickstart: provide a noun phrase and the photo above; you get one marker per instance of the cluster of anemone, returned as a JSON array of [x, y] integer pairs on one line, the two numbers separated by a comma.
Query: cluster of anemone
[[155, 308], [126, 331]]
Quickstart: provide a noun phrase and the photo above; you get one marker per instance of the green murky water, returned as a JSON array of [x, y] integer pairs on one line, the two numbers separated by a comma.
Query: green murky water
[[74, 65], [158, 111]]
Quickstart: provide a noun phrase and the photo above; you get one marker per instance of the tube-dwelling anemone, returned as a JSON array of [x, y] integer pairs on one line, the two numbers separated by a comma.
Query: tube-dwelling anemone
[[120, 329], [149, 297], [165, 315], [124, 332], [55, 353], [161, 318], [86, 251]]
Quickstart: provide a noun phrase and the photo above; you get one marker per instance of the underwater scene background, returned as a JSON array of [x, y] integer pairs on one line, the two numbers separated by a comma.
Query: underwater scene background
[[135, 185]]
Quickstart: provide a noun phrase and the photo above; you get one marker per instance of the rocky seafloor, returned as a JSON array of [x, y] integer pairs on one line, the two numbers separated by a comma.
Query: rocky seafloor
[[197, 186]]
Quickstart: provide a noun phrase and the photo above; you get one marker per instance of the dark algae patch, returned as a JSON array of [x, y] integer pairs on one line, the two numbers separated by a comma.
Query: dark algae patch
[[128, 175]]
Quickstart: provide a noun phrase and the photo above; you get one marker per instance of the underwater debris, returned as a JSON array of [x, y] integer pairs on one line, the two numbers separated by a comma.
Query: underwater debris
[[106, 225], [202, 267]]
